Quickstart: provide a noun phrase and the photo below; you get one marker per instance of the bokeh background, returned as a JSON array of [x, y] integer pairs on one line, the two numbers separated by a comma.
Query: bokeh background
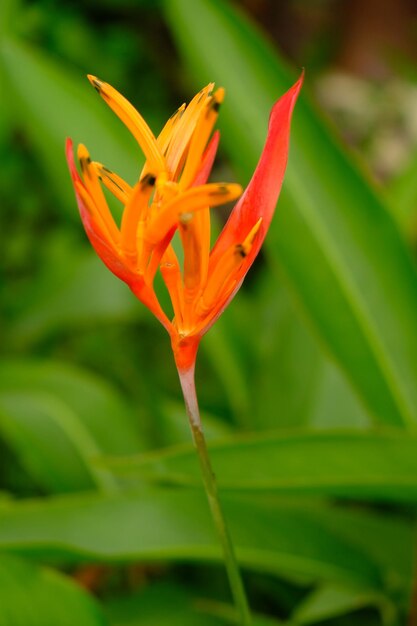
[[317, 355]]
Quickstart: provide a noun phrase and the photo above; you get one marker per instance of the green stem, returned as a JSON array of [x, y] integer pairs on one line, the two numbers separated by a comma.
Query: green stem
[[235, 579]]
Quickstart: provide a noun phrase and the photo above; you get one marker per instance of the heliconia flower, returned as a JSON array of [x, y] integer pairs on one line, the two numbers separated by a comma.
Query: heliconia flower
[[172, 195]]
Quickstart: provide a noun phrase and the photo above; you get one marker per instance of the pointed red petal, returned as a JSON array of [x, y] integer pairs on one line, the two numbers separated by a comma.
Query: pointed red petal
[[207, 161], [260, 197]]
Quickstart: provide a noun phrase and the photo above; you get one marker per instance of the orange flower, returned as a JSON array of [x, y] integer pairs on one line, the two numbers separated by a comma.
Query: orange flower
[[172, 195]]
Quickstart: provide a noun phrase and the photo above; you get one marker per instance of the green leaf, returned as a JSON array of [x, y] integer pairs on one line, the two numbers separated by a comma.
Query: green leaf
[[57, 418], [39, 596], [281, 377], [219, 350], [7, 16], [228, 615], [385, 538], [166, 604], [333, 236], [60, 299], [333, 601], [52, 103], [402, 194], [334, 403], [291, 381], [51, 443], [158, 605], [312, 542], [351, 464]]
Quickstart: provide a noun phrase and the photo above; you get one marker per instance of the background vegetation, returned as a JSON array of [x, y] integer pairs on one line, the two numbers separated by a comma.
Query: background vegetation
[[308, 381]]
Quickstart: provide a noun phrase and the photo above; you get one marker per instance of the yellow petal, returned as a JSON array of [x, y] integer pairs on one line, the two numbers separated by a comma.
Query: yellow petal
[[202, 132], [184, 129], [114, 183], [133, 120], [183, 206], [222, 278], [165, 136], [195, 237], [135, 212]]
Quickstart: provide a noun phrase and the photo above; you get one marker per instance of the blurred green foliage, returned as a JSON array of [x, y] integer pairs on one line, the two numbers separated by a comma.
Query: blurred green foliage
[[315, 361]]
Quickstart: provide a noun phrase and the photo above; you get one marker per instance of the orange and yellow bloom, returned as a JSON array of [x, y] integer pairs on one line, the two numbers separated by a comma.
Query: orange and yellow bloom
[[172, 196]]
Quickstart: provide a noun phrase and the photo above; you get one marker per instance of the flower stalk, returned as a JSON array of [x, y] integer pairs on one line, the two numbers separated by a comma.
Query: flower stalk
[[187, 381]]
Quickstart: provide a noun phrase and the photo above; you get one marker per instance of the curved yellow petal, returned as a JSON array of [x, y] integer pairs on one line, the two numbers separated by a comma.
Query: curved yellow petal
[[133, 120]]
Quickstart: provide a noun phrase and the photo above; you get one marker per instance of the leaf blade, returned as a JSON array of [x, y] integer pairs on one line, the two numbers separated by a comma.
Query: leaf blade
[[156, 524], [57, 418], [342, 463], [37, 596]]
